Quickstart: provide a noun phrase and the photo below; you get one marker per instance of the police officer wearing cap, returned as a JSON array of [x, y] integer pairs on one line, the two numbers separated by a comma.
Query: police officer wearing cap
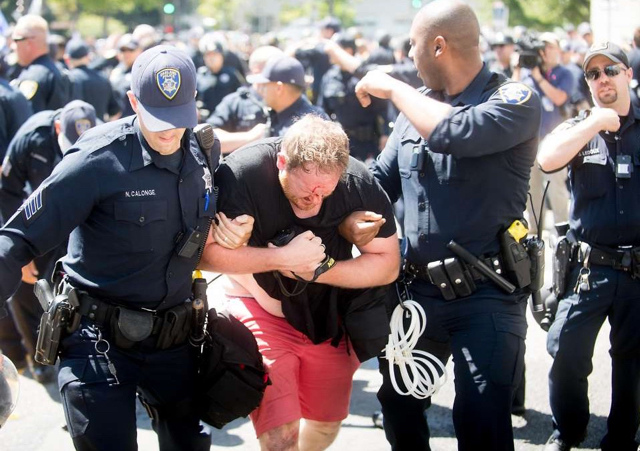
[[36, 149], [367, 128], [215, 79], [281, 84], [453, 150], [132, 194], [88, 84], [39, 79], [128, 50], [14, 111], [600, 148]]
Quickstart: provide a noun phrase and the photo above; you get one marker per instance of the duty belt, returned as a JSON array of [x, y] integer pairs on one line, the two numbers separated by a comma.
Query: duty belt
[[420, 271], [625, 259]]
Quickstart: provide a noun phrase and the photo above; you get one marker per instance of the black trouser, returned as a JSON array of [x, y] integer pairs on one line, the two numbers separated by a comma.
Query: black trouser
[[101, 415], [571, 340], [485, 335]]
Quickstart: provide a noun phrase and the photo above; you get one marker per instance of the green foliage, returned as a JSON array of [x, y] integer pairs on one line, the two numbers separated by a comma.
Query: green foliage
[[342, 9], [223, 11], [546, 14], [91, 25]]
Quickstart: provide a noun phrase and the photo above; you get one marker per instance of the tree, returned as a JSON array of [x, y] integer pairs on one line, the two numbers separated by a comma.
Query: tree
[[546, 14]]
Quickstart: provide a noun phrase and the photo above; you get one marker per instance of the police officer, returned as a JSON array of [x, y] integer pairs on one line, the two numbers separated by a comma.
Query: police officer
[[600, 148], [88, 84], [36, 149], [39, 79], [241, 117], [14, 111], [215, 79], [452, 152], [136, 196], [366, 128], [128, 50], [281, 84]]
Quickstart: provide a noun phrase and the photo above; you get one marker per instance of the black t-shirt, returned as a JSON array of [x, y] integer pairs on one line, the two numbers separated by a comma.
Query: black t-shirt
[[248, 182]]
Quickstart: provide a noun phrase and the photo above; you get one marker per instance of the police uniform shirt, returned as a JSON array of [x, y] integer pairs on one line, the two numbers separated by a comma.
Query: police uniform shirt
[[120, 80], [124, 213], [280, 122], [248, 184], [212, 88], [469, 180], [605, 209], [95, 89], [318, 61], [43, 85], [30, 159], [339, 101], [239, 111], [14, 111], [560, 78]]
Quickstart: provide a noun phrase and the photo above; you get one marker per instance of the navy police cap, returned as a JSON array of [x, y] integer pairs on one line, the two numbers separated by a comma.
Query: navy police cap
[[163, 79]]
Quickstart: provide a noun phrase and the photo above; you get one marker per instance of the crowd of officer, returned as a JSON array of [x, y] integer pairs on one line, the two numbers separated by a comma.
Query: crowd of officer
[[54, 89]]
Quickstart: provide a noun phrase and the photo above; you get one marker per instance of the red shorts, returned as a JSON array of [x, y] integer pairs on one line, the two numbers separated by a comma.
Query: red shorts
[[308, 381]]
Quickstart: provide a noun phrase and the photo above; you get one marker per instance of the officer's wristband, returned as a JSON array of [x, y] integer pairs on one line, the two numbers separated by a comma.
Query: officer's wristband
[[325, 266]]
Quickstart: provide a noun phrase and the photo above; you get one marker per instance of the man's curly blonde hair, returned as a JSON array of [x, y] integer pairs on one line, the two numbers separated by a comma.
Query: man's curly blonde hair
[[318, 142]]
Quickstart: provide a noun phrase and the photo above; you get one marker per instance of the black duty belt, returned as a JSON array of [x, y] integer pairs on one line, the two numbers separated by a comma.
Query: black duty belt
[[420, 271], [623, 258]]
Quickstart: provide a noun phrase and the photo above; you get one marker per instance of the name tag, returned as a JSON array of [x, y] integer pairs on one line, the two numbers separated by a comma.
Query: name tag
[[594, 155]]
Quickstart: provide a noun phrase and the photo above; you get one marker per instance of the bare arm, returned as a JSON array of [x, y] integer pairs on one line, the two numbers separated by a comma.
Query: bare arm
[[230, 141], [424, 113], [563, 144], [360, 227]]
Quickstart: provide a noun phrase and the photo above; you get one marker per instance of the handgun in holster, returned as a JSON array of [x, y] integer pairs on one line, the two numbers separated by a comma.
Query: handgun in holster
[[199, 311], [59, 319]]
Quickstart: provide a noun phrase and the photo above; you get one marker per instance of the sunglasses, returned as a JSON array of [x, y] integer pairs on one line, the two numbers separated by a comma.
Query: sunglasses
[[609, 71], [23, 38]]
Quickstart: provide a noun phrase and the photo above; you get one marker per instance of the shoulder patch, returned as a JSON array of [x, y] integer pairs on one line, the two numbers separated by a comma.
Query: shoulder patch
[[514, 93], [33, 207], [28, 88]]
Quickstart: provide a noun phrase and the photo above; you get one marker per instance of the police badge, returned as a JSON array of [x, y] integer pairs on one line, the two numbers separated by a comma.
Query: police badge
[[169, 81]]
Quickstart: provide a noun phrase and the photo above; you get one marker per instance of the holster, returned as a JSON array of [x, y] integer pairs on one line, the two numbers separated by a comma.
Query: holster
[[176, 326], [452, 277], [562, 266], [54, 326]]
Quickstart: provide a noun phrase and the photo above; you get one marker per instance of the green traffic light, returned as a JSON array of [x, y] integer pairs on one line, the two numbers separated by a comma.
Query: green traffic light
[[169, 8]]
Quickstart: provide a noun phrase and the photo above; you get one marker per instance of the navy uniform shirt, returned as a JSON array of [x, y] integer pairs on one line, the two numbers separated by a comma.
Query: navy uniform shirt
[[318, 61], [474, 176], [125, 214], [363, 125], [92, 87], [120, 80], [212, 88], [280, 122], [44, 85], [240, 111], [14, 111], [30, 159], [605, 209]]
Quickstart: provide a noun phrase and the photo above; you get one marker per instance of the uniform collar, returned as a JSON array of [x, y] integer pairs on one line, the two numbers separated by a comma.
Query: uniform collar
[[472, 94], [284, 115], [140, 156]]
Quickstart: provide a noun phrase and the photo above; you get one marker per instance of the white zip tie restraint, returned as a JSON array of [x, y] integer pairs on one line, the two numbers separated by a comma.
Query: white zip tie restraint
[[422, 373]]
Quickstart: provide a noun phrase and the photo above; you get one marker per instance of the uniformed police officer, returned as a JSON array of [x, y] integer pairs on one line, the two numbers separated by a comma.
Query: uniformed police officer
[[281, 84], [128, 50], [215, 79], [366, 128], [36, 149], [135, 195], [88, 84], [241, 117], [39, 79], [600, 148], [454, 149], [14, 111]]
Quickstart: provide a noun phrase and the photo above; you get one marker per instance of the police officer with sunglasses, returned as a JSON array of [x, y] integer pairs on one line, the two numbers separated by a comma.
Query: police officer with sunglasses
[[601, 149]]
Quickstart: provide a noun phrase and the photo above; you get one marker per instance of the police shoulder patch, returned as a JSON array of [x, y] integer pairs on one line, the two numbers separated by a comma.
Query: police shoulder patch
[[33, 207], [28, 88], [169, 82], [514, 93]]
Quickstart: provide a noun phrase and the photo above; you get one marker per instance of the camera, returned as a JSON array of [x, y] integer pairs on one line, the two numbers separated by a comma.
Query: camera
[[529, 47]]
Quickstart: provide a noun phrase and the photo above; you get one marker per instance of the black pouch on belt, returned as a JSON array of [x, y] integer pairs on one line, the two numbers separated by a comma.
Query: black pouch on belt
[[176, 325], [130, 326], [439, 278], [460, 277]]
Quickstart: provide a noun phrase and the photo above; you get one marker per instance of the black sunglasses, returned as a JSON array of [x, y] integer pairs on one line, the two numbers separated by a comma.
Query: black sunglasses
[[609, 71]]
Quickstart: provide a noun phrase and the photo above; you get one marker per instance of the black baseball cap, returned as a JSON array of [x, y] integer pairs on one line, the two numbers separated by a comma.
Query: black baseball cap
[[163, 79], [76, 118], [608, 49], [76, 49], [285, 69]]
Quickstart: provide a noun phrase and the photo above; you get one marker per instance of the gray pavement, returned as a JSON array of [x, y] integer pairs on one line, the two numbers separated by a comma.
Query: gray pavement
[[36, 424]]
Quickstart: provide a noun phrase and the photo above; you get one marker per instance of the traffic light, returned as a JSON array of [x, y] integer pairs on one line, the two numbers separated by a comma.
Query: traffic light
[[169, 8], [417, 4]]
